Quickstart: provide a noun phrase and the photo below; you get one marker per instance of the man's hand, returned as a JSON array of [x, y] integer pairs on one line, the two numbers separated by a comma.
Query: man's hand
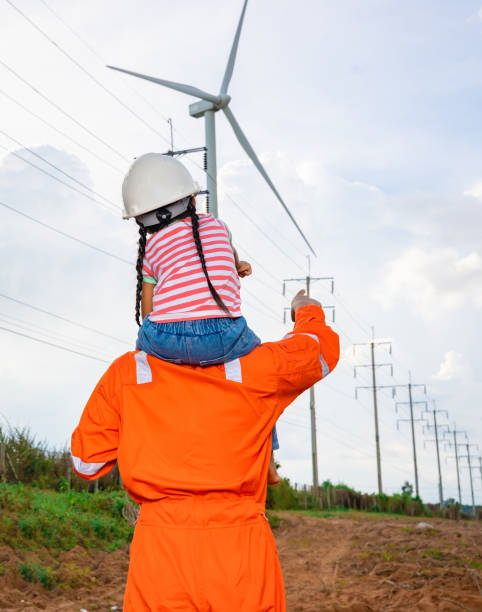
[[301, 300], [243, 268]]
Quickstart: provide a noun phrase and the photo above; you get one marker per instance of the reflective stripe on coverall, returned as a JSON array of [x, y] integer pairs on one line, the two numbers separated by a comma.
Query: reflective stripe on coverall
[[193, 446]]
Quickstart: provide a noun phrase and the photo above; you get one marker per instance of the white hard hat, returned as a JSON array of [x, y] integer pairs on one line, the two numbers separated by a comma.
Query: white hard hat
[[155, 180]]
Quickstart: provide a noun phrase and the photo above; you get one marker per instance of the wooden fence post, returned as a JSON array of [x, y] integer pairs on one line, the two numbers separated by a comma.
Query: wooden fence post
[[304, 497], [3, 461], [68, 469]]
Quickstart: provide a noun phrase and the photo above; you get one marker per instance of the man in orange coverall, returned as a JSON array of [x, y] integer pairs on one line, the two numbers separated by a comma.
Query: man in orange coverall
[[193, 446]]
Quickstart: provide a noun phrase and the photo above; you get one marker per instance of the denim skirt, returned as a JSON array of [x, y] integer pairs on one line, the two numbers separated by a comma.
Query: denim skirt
[[202, 342]]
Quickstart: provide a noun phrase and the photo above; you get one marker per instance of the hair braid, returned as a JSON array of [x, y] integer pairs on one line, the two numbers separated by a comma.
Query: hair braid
[[140, 260], [197, 239]]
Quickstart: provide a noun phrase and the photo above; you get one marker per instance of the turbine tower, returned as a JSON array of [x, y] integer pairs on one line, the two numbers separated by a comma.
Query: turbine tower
[[210, 104]]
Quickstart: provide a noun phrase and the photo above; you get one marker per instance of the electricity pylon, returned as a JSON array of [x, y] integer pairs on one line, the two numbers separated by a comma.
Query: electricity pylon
[[435, 428], [373, 365], [308, 281], [456, 444], [480, 469], [411, 402], [468, 456]]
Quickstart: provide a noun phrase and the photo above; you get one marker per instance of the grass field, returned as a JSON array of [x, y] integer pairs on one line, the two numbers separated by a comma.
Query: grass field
[[69, 551], [33, 518]]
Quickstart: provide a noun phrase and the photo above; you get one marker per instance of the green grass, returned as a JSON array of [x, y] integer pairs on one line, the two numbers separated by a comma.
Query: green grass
[[340, 512], [274, 520], [33, 572], [432, 554], [32, 518]]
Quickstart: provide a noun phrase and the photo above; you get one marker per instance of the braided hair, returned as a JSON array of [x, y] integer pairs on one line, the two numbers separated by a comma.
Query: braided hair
[[140, 260], [191, 210]]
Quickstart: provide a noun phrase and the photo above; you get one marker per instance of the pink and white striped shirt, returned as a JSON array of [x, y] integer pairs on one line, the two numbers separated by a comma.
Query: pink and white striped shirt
[[181, 292]]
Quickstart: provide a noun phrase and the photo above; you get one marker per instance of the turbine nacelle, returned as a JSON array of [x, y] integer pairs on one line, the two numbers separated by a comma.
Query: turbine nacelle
[[206, 107], [198, 109]]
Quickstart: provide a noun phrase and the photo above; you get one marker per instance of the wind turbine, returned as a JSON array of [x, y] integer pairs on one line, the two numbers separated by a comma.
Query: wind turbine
[[210, 104]]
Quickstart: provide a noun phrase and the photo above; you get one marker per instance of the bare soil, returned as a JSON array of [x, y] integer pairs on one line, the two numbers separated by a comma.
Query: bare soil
[[349, 562]]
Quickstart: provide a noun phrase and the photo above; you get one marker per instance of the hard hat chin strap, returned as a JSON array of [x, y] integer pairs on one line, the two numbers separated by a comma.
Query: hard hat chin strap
[[164, 215]]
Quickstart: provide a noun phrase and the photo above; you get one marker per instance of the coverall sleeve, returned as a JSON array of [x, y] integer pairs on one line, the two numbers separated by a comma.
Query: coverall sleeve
[[95, 440], [304, 356]]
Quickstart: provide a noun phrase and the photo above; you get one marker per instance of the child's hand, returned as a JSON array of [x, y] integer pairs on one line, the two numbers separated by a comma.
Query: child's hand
[[244, 269]]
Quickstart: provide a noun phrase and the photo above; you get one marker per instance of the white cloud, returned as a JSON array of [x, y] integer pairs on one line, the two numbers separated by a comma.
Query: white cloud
[[475, 191], [477, 18], [452, 367], [434, 282]]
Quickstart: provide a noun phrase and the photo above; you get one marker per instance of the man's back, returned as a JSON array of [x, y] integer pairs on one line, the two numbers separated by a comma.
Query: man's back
[[193, 446]]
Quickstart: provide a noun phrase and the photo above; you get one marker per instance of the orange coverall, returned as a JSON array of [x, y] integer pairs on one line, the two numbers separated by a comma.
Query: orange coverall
[[193, 446]]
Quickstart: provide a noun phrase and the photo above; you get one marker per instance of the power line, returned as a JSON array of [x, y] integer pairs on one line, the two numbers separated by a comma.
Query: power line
[[65, 113], [31, 327], [72, 59], [99, 57], [85, 71], [343, 443], [56, 316], [350, 314], [262, 231], [56, 178], [104, 252], [255, 297], [62, 233], [72, 178], [262, 267], [56, 129], [98, 249], [261, 311], [308, 279], [125, 106], [373, 387], [63, 348], [126, 159], [270, 287], [102, 60], [365, 406], [245, 214]]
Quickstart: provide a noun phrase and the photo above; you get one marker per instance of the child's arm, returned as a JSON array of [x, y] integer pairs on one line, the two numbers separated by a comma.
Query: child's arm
[[146, 302], [243, 267]]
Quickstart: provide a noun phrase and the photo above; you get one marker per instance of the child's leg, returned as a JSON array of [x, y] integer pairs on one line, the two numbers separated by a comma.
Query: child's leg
[[273, 476]]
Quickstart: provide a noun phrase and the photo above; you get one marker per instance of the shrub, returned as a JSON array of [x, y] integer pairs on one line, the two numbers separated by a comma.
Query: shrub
[[34, 572], [282, 496], [34, 518]]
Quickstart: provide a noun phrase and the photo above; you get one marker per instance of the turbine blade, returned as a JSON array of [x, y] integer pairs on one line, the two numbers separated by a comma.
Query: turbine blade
[[243, 141], [232, 56], [187, 89]]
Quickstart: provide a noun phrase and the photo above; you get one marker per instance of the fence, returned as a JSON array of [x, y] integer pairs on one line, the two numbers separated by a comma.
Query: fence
[[340, 497]]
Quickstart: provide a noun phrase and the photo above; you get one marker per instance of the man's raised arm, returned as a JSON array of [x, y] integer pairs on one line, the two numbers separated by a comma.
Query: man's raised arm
[[307, 354]]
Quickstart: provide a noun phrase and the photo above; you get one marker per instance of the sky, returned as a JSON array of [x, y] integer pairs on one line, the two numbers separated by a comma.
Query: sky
[[366, 117]]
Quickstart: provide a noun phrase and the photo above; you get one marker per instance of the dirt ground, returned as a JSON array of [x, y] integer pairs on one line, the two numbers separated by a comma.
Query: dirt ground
[[357, 563]]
